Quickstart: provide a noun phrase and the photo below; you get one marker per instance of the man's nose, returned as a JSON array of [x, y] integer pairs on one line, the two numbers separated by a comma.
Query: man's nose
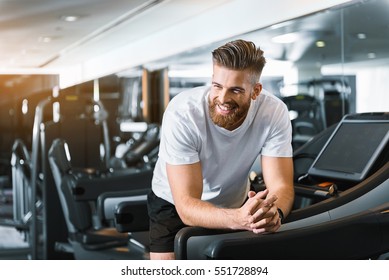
[[223, 96]]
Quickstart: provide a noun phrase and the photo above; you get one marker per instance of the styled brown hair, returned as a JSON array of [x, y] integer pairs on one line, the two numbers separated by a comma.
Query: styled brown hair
[[240, 55]]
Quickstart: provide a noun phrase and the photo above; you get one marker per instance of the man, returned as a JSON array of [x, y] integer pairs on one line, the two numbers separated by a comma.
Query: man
[[210, 138]]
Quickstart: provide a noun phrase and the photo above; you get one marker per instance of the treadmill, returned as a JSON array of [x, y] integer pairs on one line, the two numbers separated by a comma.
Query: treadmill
[[343, 209]]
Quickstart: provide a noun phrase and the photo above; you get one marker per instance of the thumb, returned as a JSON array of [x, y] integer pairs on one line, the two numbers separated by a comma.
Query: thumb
[[251, 194]]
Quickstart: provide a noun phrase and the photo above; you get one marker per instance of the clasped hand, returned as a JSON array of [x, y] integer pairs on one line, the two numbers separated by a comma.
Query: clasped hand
[[260, 212]]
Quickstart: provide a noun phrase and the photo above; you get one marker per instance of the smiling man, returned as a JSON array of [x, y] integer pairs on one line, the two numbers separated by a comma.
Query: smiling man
[[210, 138]]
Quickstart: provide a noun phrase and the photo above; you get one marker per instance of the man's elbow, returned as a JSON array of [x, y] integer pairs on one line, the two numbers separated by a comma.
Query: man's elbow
[[185, 216]]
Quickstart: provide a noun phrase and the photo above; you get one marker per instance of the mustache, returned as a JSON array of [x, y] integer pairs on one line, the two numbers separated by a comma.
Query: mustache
[[229, 104]]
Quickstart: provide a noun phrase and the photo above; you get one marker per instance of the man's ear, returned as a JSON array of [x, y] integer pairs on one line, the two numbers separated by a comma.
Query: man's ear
[[256, 91]]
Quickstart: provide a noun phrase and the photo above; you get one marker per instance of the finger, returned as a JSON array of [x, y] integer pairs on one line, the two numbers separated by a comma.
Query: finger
[[275, 227], [258, 231], [259, 209], [264, 212], [251, 194], [264, 207], [266, 225], [267, 229], [253, 202], [262, 194], [269, 200], [265, 215]]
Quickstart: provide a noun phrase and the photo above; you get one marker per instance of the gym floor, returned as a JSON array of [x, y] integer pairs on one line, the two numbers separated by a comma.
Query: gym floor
[[12, 242]]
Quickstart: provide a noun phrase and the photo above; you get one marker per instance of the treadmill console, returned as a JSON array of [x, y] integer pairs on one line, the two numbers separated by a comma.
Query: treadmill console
[[356, 144]]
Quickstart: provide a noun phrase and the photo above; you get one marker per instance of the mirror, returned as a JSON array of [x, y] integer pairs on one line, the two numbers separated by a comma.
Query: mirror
[[337, 56]]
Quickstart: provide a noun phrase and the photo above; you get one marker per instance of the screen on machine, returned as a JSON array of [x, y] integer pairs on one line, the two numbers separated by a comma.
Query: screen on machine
[[351, 150]]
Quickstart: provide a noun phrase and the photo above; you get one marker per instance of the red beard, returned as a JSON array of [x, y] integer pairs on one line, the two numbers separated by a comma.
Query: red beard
[[230, 121]]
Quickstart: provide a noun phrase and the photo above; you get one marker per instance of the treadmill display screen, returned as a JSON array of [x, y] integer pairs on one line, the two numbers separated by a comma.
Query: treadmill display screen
[[351, 150]]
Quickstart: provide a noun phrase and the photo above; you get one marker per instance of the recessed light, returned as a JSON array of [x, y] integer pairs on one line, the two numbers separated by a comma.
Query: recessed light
[[371, 55], [320, 44], [361, 36], [44, 39], [70, 18]]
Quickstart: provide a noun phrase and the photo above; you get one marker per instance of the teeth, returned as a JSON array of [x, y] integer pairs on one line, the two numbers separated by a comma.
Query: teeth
[[224, 108]]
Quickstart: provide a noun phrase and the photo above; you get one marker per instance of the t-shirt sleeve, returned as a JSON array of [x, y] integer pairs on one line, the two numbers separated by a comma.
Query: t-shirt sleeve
[[178, 140], [279, 141]]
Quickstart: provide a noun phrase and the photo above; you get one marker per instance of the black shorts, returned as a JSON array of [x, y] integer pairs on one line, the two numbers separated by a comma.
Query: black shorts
[[164, 224]]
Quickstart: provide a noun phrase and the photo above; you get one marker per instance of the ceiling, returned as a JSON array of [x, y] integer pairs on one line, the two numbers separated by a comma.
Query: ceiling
[[34, 34]]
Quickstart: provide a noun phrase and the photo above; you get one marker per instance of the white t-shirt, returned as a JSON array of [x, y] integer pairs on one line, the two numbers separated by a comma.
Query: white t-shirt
[[189, 135]]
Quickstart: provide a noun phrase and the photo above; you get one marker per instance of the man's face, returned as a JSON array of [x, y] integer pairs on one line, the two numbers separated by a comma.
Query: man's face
[[230, 97]]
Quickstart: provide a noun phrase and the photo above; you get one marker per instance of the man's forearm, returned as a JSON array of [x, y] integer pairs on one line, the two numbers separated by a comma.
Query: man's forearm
[[285, 199], [195, 212]]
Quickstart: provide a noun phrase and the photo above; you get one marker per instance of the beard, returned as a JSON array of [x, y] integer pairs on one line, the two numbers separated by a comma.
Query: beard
[[230, 121]]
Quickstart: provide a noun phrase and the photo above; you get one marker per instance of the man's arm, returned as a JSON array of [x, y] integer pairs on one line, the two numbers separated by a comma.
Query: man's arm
[[277, 173], [187, 186]]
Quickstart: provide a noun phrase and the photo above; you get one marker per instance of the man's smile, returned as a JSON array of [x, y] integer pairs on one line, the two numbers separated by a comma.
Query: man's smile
[[226, 109]]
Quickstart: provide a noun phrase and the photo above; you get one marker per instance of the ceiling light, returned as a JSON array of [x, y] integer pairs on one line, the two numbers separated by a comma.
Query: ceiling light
[[361, 36], [70, 18], [44, 39], [320, 44], [285, 38], [371, 55]]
